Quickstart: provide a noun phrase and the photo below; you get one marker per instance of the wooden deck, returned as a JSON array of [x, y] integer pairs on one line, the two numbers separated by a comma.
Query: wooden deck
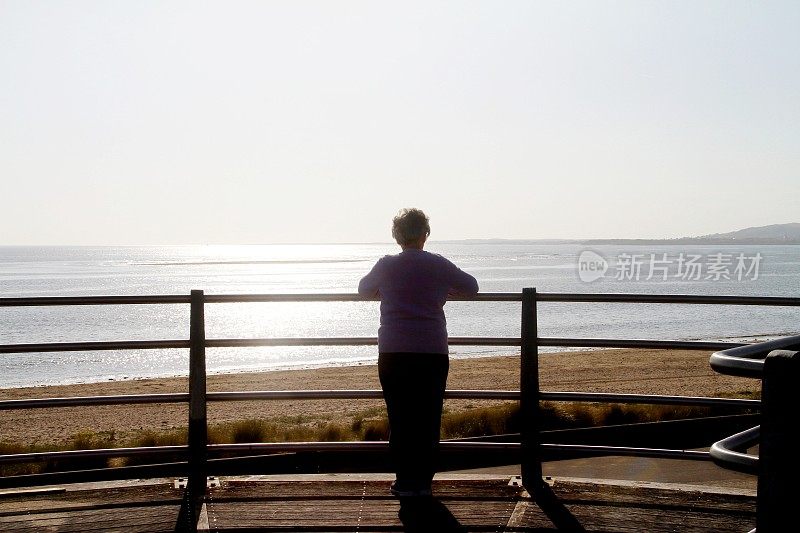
[[352, 503]]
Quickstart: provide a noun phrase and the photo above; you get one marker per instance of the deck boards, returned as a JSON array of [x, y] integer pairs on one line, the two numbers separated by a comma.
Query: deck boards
[[148, 508], [366, 505]]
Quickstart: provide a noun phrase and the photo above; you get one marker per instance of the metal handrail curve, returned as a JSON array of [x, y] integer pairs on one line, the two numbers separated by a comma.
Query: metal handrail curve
[[744, 361], [748, 360], [726, 452]]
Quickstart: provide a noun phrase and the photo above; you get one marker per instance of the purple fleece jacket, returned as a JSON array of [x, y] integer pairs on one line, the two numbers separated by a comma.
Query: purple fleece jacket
[[413, 287]]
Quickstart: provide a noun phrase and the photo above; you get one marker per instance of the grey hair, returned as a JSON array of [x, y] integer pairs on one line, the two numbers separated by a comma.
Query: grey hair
[[410, 225]]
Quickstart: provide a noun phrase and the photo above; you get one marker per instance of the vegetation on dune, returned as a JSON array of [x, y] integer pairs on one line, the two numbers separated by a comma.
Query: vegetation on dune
[[368, 425]]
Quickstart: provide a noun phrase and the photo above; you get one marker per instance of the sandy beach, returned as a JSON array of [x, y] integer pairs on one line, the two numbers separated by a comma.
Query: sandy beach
[[680, 372]]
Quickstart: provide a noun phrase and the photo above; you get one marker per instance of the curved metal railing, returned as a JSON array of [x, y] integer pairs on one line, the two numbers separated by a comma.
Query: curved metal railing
[[748, 360], [744, 361]]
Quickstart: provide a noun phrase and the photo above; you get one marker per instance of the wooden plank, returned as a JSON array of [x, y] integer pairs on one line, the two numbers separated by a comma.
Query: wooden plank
[[145, 508], [27, 493], [631, 509], [76, 499], [132, 519], [635, 520], [622, 494]]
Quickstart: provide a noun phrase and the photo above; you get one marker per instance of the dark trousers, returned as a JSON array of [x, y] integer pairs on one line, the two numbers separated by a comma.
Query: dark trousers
[[413, 388]]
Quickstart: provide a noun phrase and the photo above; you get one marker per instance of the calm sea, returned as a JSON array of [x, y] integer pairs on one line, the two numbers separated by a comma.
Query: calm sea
[[72, 271]]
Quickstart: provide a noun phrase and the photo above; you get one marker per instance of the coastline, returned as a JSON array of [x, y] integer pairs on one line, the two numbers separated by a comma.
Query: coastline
[[640, 371]]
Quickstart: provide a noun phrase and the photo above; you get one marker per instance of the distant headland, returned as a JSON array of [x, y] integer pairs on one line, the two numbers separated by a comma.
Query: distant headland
[[767, 235]]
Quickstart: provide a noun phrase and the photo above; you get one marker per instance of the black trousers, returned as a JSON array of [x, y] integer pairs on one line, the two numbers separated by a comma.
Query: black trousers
[[413, 388]]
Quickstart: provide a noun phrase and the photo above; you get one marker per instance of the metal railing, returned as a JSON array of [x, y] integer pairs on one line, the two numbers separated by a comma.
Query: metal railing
[[777, 364], [199, 453], [744, 361]]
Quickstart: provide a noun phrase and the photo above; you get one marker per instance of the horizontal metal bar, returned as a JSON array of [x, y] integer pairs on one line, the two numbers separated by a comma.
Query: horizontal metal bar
[[46, 301], [339, 446], [358, 341], [239, 396], [283, 447], [148, 471], [349, 341], [748, 360], [484, 341], [93, 346], [73, 401], [351, 297], [635, 343], [627, 451], [362, 394], [292, 341], [727, 452], [94, 300], [654, 399], [296, 297], [486, 394], [279, 447], [667, 298], [142, 451], [347, 297]]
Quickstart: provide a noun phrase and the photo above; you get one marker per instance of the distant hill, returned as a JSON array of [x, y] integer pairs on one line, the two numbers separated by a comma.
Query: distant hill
[[775, 232], [772, 234]]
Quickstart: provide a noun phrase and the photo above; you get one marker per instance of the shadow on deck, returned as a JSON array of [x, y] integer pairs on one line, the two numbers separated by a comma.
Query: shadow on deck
[[363, 503]]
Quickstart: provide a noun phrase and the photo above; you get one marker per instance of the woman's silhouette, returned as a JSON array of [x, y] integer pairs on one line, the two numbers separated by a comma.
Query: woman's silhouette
[[412, 342]]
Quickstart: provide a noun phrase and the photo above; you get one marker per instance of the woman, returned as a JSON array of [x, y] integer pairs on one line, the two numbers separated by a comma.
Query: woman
[[412, 343]]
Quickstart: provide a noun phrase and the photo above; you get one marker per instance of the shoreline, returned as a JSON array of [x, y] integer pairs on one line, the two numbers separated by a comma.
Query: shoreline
[[367, 361], [636, 371]]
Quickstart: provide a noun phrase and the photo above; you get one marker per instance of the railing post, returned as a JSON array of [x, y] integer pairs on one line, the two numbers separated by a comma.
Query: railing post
[[779, 459], [198, 428], [529, 395]]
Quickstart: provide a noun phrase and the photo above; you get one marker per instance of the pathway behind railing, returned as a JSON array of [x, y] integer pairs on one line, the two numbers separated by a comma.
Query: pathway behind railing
[[200, 455]]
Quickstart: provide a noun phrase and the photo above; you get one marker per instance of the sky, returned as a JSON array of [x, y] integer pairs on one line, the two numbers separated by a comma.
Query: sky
[[240, 122]]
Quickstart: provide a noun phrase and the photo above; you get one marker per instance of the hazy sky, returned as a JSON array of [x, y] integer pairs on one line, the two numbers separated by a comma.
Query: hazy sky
[[253, 122]]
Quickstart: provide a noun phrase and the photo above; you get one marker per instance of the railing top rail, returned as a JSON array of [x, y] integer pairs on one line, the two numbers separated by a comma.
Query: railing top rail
[[221, 298], [352, 297], [666, 298], [360, 341], [46, 301]]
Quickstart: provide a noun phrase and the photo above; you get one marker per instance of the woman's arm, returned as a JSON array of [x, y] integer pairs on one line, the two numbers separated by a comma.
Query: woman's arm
[[461, 283], [369, 284]]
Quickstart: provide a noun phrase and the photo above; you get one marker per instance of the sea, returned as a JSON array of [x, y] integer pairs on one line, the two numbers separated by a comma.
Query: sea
[[499, 266]]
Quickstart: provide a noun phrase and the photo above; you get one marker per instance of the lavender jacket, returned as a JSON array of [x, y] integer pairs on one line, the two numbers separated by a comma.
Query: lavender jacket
[[413, 287]]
